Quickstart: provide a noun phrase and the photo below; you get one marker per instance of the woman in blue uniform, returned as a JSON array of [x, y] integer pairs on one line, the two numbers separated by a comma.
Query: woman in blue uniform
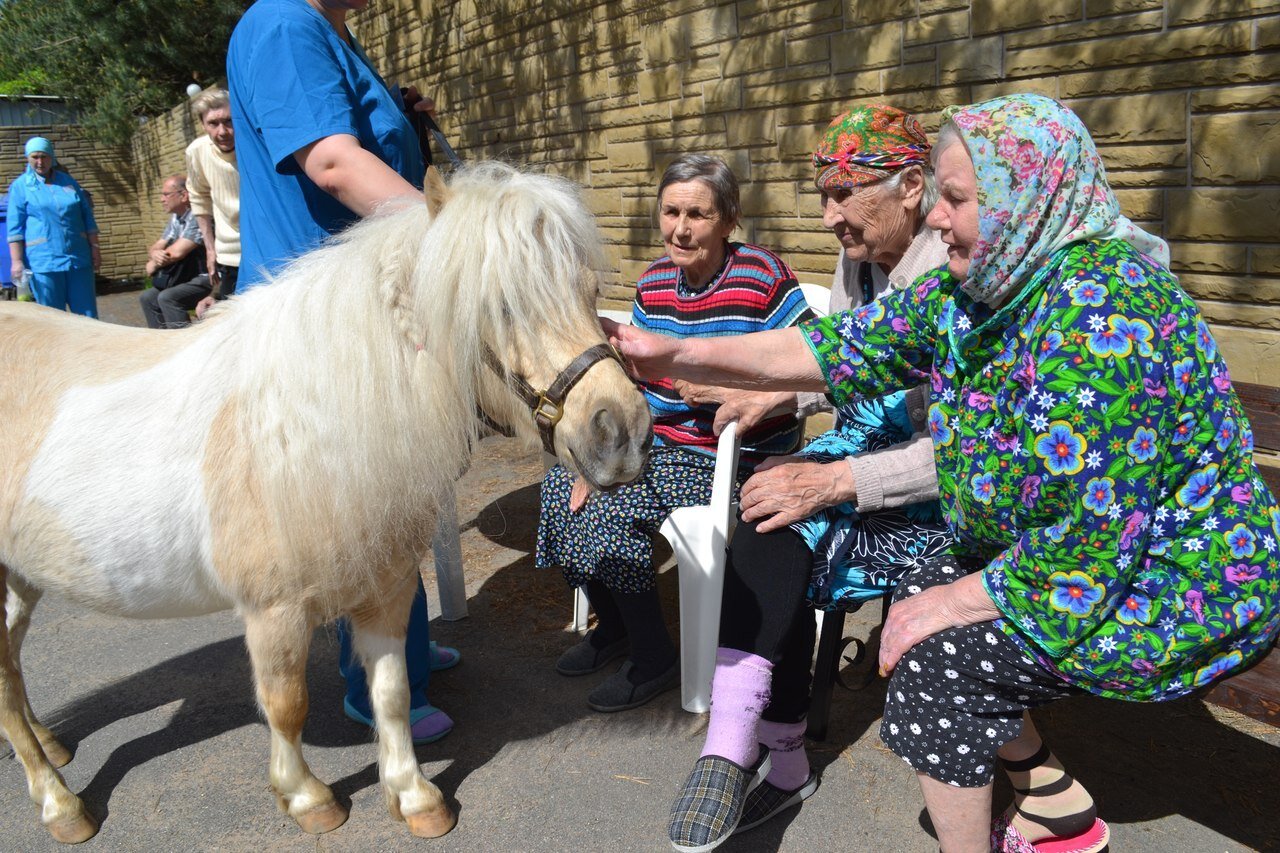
[[53, 234]]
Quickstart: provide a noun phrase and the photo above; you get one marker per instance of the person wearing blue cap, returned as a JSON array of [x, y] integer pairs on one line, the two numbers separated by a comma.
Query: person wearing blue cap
[[53, 234]]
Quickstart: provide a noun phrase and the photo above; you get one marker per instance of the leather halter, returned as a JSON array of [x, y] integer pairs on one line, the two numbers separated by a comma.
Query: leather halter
[[548, 406]]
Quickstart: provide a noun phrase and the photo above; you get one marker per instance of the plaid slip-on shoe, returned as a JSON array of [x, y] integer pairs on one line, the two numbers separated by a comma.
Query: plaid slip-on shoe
[[767, 800], [711, 801]]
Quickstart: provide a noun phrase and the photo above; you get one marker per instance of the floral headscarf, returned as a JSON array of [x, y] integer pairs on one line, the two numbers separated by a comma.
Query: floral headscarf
[[1041, 187], [868, 144]]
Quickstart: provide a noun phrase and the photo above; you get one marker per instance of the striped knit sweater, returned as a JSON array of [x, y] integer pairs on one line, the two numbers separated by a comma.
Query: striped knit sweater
[[754, 292]]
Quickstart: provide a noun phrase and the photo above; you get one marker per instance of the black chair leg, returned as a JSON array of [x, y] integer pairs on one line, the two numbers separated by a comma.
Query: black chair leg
[[824, 673]]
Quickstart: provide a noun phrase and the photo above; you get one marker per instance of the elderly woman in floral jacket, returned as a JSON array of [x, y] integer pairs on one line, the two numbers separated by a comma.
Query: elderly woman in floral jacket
[[1094, 464]]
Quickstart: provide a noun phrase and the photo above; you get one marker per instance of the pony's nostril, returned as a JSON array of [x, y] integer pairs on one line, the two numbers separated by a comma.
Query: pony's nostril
[[607, 432]]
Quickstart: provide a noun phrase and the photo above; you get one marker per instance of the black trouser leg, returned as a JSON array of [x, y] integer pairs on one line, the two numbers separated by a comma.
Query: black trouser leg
[[652, 652], [764, 613], [228, 277], [609, 625]]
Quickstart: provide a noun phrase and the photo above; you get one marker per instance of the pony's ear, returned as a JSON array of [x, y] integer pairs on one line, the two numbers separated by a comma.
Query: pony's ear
[[435, 190]]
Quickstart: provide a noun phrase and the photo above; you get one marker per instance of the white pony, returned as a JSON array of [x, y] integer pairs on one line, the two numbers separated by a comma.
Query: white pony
[[286, 457]]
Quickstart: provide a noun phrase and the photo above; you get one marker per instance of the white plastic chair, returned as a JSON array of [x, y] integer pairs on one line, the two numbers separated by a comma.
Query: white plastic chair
[[818, 296], [699, 536], [447, 550]]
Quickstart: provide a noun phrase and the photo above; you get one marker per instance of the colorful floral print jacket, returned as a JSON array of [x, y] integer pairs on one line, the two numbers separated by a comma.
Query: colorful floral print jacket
[[1092, 453]]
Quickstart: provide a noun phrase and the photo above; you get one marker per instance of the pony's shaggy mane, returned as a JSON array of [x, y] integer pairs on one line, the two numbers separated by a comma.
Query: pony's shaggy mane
[[377, 314]]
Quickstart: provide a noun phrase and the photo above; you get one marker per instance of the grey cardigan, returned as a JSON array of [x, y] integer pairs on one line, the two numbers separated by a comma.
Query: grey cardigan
[[902, 474]]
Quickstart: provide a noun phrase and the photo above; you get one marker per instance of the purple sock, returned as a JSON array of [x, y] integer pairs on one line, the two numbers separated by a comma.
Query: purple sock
[[789, 763], [739, 695]]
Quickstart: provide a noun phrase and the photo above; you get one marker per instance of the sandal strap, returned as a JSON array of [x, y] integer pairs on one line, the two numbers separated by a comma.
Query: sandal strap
[[1033, 761]]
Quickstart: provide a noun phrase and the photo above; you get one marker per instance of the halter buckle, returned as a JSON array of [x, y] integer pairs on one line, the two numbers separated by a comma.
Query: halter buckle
[[547, 410]]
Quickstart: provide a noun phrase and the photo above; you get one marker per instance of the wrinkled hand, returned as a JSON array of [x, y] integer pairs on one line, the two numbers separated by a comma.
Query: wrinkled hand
[[748, 408], [579, 494], [159, 257], [911, 620], [203, 306], [787, 489], [648, 356]]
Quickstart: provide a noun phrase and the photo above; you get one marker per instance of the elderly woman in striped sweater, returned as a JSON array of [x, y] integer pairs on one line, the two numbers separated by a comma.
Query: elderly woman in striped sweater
[[705, 286]]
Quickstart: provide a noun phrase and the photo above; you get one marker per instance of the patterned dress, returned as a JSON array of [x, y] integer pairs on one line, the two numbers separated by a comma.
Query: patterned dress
[[857, 556], [1092, 453], [610, 538]]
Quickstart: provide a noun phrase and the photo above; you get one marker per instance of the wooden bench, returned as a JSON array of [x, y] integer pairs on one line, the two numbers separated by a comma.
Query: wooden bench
[[1254, 692]]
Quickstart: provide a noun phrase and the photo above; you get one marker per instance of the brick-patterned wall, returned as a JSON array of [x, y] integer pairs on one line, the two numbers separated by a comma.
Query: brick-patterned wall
[[1181, 96], [159, 147], [106, 173]]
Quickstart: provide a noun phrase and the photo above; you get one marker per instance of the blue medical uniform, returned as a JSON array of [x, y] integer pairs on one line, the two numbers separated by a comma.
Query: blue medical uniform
[[54, 220], [293, 82]]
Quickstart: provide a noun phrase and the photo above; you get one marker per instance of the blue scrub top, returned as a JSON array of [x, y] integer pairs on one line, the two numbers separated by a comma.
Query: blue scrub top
[[54, 220], [293, 81]]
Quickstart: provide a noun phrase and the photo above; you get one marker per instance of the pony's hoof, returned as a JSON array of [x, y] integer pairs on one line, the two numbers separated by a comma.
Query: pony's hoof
[[432, 824], [322, 819], [74, 829], [58, 755]]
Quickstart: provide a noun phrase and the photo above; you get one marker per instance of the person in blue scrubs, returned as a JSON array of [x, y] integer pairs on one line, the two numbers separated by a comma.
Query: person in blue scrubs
[[321, 142], [53, 234]]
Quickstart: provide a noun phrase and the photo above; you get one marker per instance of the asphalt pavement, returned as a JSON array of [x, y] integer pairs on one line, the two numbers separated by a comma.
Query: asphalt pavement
[[170, 753]]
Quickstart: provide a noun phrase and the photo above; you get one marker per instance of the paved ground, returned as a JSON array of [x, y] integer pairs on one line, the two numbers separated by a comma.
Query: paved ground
[[170, 754]]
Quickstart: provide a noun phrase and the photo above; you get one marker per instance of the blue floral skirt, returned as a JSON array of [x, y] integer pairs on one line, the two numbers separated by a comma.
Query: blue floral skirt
[[857, 557]]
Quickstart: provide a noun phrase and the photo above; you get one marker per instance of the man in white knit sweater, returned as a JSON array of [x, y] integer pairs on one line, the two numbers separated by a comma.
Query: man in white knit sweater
[[213, 182]]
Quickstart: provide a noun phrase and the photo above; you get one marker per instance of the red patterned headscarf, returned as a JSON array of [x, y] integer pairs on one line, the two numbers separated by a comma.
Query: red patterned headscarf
[[868, 144]]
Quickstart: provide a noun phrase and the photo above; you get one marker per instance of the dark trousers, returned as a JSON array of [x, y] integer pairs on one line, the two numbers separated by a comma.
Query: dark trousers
[[228, 276], [167, 309], [764, 612]]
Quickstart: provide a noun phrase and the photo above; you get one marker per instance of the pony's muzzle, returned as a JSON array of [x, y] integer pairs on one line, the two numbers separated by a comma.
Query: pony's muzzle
[[615, 452]]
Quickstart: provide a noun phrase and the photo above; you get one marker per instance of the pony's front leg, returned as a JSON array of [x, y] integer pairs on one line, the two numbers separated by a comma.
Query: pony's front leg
[[62, 812], [278, 641], [410, 797]]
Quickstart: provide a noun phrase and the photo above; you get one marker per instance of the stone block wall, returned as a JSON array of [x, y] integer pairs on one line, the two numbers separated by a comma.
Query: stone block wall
[[106, 173], [1181, 95], [159, 149]]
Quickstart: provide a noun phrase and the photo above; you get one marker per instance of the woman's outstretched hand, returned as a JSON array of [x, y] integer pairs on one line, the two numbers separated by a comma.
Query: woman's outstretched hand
[[648, 356]]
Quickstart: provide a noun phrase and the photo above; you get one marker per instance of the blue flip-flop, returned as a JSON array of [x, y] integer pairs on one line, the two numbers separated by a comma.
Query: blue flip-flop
[[444, 657], [427, 723]]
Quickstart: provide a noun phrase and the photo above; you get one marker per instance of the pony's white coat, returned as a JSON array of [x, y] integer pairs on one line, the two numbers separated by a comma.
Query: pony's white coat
[[287, 456], [145, 541]]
